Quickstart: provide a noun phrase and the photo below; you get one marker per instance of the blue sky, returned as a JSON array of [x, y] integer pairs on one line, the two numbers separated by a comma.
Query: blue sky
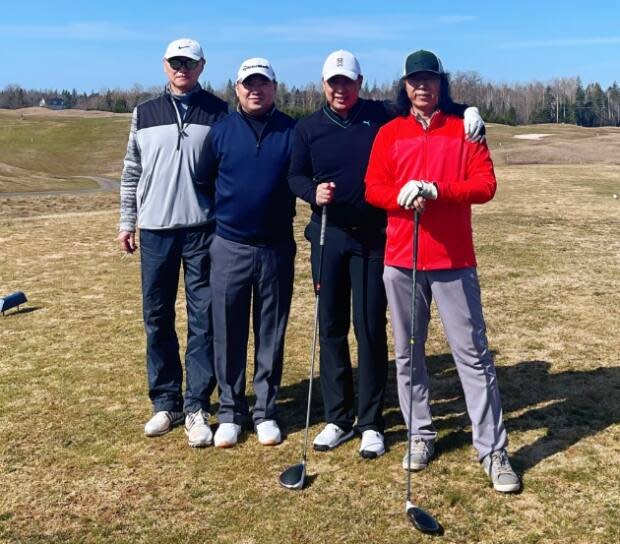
[[91, 46]]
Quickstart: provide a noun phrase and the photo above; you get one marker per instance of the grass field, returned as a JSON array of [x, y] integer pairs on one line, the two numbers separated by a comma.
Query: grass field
[[75, 466], [43, 150]]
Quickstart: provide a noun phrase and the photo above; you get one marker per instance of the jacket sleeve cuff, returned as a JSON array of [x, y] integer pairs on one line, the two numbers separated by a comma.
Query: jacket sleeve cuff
[[128, 227]]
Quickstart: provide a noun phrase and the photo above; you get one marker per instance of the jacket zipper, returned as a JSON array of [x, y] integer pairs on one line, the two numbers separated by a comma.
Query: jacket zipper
[[425, 167], [259, 137], [425, 170], [180, 125]]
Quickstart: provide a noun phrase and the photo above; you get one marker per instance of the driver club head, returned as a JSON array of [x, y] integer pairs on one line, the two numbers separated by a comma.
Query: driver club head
[[294, 477], [422, 520]]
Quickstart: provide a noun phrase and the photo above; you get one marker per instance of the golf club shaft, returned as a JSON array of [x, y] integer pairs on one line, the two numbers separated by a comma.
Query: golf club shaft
[[416, 221], [317, 291]]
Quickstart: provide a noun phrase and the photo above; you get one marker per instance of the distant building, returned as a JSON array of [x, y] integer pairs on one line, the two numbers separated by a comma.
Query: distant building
[[53, 103]]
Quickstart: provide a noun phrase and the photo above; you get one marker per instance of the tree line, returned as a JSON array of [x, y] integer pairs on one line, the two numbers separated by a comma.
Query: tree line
[[563, 100]]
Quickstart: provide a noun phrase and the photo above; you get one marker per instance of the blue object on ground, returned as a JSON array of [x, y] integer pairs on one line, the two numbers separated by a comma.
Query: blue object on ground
[[12, 300]]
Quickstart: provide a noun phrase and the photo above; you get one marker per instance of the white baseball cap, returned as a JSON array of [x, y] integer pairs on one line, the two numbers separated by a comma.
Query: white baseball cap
[[185, 47], [341, 63], [256, 65]]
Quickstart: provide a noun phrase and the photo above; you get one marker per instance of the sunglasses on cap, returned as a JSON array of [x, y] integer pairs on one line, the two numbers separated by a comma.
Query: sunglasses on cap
[[178, 63]]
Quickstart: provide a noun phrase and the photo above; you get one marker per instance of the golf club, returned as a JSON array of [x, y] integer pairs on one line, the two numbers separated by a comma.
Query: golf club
[[421, 520], [294, 477]]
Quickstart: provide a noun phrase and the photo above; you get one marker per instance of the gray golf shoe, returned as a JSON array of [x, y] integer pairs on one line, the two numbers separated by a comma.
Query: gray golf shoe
[[498, 469], [421, 452]]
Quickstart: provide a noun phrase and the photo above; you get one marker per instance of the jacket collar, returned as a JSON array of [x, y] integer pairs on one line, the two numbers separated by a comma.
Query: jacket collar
[[189, 94], [341, 121]]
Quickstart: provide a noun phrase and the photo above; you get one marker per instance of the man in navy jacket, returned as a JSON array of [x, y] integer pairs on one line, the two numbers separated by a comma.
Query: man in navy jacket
[[253, 250]]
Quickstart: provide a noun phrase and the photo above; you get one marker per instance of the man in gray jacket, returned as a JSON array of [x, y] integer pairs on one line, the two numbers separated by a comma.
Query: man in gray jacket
[[164, 159]]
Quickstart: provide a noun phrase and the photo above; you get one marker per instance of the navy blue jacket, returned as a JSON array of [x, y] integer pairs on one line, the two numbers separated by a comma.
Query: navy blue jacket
[[247, 175]]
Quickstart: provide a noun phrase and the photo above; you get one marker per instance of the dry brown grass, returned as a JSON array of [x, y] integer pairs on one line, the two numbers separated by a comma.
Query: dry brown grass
[[75, 467]]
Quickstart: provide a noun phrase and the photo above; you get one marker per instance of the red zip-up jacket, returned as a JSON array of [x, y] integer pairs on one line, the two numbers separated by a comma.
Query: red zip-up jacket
[[463, 173]]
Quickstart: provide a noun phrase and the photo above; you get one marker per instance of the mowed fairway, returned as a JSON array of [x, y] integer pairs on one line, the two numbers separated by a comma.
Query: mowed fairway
[[76, 467]]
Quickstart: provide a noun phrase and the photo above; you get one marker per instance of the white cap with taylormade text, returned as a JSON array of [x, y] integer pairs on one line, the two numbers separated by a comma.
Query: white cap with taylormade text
[[185, 47], [341, 63], [256, 65]]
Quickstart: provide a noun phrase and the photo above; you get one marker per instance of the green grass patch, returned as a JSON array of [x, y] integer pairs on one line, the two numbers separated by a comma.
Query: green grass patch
[[63, 146]]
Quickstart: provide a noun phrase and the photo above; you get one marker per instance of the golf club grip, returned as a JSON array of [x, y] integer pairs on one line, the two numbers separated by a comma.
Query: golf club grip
[[416, 220], [323, 225]]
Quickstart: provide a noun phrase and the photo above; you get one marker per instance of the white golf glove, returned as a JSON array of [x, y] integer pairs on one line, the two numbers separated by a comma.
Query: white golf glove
[[474, 125], [412, 190]]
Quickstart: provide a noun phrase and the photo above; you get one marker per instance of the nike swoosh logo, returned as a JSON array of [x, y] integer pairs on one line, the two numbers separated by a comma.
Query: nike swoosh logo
[[183, 46]]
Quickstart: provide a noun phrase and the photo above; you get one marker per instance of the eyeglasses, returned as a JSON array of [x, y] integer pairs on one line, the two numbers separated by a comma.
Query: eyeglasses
[[177, 64], [422, 78]]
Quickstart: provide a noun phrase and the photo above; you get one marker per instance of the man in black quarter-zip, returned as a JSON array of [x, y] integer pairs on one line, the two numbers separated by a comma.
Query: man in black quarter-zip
[[164, 158], [331, 148], [253, 250]]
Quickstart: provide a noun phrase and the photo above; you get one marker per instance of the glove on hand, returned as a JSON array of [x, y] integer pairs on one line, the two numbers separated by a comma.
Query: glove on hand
[[474, 125], [412, 190]]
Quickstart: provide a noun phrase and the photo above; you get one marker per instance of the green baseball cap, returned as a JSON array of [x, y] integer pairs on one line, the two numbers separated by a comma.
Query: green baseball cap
[[422, 61]]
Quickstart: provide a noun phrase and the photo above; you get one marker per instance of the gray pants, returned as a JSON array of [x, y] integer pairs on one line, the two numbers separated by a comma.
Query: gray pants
[[457, 294], [244, 275]]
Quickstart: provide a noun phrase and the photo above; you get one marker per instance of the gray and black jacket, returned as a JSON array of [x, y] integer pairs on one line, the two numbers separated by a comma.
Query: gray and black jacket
[[164, 159]]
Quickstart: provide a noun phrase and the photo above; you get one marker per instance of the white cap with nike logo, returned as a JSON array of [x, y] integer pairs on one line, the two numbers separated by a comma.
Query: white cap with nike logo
[[184, 47]]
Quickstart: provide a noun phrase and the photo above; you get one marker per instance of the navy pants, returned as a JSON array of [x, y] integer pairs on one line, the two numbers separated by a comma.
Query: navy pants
[[352, 275], [162, 254]]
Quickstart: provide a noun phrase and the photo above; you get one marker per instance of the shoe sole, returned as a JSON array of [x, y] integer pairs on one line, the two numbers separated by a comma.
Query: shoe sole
[[325, 447], [414, 467], [269, 442], [507, 488], [226, 445], [371, 454], [198, 444], [155, 435]]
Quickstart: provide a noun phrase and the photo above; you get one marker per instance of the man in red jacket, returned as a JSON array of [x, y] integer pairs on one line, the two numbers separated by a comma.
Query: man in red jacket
[[422, 161]]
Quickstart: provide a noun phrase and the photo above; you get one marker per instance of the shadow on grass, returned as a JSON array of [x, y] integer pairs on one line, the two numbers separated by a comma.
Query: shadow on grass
[[576, 405], [10, 313]]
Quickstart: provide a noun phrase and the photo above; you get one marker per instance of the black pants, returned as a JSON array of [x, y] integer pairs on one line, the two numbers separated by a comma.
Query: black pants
[[352, 272]]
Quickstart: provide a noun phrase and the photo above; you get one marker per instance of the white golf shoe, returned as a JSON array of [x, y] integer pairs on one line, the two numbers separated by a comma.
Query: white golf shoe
[[330, 437], [197, 429], [163, 422], [372, 445], [268, 433], [227, 435]]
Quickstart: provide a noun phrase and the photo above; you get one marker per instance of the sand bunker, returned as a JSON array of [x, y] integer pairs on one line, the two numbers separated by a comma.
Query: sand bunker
[[531, 136]]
